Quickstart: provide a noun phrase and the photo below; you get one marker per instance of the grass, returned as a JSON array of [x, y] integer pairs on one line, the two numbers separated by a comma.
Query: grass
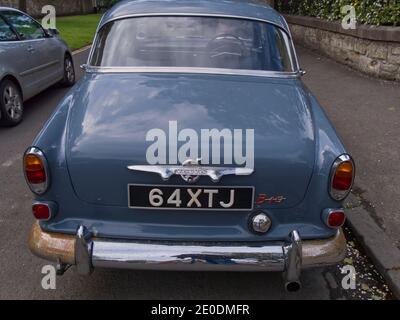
[[78, 31]]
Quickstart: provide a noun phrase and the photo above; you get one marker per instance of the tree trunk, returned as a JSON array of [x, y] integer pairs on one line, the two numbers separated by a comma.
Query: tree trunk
[[22, 5]]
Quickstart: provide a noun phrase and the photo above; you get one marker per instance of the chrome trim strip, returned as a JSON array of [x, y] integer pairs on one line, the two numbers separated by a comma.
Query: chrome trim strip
[[215, 173], [39, 68], [193, 187], [220, 71]]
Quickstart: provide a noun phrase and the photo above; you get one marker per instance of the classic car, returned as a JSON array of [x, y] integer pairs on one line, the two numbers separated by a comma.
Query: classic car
[[31, 60], [191, 143]]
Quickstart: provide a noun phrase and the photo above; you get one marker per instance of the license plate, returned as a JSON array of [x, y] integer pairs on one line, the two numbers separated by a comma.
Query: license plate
[[191, 198]]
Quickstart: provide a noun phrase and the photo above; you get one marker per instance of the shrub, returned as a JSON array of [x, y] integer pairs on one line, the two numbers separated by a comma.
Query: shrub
[[375, 12]]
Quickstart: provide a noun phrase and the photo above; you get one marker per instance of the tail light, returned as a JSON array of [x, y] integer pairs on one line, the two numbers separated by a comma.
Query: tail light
[[342, 177], [35, 169], [41, 211], [334, 218]]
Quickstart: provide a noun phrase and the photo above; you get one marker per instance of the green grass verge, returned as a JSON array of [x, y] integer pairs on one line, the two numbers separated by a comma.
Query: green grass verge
[[78, 31]]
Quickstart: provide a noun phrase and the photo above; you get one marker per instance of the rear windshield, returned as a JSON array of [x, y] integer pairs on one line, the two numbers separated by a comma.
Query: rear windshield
[[195, 42]]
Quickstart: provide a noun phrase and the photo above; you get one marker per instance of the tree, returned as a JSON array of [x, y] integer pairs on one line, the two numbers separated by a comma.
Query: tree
[[22, 5]]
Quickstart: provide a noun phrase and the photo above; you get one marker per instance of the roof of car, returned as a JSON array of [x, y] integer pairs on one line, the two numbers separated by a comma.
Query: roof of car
[[251, 9], [8, 8]]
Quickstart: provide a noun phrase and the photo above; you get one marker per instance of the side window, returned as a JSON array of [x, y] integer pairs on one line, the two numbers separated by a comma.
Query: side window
[[282, 51], [27, 27], [6, 34]]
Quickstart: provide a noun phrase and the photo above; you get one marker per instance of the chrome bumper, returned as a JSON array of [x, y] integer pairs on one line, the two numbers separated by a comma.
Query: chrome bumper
[[87, 253]]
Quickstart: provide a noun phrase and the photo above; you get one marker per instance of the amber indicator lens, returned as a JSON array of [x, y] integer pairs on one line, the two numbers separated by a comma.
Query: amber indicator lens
[[343, 178], [34, 169]]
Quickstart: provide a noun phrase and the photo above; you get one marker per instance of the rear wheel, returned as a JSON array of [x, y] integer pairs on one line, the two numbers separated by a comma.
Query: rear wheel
[[69, 72], [11, 104]]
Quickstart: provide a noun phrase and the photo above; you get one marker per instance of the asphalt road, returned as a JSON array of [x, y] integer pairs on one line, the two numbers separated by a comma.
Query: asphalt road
[[20, 271]]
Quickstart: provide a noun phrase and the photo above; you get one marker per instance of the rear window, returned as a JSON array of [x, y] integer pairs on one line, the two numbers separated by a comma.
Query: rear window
[[195, 42]]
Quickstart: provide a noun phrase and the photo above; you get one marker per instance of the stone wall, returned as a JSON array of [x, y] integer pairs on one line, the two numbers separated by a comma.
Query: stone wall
[[9, 3], [63, 7], [372, 50], [70, 7]]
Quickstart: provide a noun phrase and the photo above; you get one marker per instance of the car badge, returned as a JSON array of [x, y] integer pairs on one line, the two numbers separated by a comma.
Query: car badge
[[192, 170], [270, 200]]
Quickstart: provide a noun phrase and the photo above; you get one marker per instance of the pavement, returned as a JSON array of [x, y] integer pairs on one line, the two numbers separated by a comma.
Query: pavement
[[366, 114], [348, 103]]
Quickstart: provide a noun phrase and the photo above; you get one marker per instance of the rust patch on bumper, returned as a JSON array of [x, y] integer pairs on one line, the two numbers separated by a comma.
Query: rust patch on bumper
[[52, 246]]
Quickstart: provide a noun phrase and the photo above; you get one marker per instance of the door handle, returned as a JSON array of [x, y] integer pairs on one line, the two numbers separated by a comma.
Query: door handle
[[31, 49]]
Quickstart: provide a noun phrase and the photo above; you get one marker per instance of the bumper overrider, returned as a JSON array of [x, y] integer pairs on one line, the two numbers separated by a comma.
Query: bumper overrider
[[87, 252]]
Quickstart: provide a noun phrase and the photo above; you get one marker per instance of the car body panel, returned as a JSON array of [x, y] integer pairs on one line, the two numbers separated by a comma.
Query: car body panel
[[17, 52], [99, 150]]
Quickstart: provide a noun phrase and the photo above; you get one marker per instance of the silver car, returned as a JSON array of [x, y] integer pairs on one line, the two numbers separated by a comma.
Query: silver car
[[31, 60]]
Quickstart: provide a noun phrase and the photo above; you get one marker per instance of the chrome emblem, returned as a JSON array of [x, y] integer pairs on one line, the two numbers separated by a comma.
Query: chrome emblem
[[191, 171]]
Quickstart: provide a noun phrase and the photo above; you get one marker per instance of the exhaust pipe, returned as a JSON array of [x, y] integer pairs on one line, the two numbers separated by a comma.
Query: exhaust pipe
[[293, 262], [293, 286]]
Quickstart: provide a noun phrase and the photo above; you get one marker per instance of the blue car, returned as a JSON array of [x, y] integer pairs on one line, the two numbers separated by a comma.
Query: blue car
[[191, 143]]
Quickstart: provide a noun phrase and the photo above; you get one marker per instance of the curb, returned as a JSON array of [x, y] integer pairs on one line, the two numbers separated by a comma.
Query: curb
[[383, 253], [77, 51]]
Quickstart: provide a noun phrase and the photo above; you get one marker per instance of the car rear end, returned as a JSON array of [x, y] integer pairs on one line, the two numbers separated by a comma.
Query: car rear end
[[100, 201]]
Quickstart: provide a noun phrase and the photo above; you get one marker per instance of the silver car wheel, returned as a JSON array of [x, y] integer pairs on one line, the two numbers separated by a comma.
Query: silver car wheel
[[12, 102], [69, 70]]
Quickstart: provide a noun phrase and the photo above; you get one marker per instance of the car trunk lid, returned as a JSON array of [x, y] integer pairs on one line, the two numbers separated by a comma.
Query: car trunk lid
[[113, 113]]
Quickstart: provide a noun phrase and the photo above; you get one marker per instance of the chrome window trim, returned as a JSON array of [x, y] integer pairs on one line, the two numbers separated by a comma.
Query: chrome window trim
[[340, 195], [220, 71], [39, 188], [288, 41]]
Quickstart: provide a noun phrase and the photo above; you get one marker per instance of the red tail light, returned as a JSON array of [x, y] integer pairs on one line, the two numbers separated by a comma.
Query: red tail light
[[35, 168], [334, 218], [41, 211], [342, 177]]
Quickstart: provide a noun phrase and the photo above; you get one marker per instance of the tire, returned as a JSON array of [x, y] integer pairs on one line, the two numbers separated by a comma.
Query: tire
[[11, 104], [69, 72]]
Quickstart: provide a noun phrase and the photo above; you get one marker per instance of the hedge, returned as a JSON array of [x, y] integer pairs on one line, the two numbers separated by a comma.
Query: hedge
[[374, 12]]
